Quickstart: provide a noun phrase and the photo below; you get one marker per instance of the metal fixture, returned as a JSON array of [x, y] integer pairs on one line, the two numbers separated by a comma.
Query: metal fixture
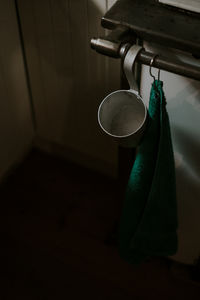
[[115, 44], [118, 48], [151, 65]]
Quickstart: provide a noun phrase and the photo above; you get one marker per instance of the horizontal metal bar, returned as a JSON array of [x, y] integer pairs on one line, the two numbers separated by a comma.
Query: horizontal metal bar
[[167, 64], [106, 47], [112, 43], [118, 50]]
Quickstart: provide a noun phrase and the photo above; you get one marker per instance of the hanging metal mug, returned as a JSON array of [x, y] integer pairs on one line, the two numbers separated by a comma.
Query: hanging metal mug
[[123, 113]]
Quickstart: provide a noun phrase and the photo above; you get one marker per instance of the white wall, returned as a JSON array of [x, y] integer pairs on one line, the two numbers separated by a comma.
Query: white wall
[[183, 105], [68, 79], [16, 129]]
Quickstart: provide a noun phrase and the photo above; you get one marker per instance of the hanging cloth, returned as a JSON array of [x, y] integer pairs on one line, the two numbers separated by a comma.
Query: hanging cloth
[[149, 218]]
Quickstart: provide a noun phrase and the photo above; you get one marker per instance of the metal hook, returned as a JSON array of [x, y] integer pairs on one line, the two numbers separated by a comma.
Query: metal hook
[[150, 65]]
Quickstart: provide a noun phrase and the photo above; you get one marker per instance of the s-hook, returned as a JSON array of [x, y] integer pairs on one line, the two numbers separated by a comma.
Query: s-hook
[[151, 65]]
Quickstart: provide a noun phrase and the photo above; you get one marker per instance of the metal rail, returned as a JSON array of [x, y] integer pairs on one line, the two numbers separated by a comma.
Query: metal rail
[[118, 49]]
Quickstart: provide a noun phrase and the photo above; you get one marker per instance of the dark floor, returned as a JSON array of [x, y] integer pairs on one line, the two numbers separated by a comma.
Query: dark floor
[[55, 218]]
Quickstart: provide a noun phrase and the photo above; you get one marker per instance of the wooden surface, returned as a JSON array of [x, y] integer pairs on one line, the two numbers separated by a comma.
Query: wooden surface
[[154, 22], [55, 218]]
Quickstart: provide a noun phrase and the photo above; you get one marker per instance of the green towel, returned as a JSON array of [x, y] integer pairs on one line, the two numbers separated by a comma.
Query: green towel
[[149, 218]]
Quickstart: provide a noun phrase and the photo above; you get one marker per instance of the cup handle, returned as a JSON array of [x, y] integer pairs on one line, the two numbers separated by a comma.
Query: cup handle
[[129, 64]]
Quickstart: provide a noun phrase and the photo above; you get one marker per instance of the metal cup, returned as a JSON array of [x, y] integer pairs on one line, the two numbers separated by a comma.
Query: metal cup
[[123, 114]]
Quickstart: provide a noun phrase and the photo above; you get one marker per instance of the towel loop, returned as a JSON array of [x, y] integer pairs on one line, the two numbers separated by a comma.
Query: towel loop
[[151, 65]]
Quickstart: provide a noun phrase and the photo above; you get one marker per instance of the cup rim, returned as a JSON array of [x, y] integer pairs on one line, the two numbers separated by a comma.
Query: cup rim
[[134, 132]]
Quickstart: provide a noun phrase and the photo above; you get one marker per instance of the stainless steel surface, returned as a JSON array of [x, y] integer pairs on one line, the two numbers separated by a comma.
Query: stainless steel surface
[[124, 49], [113, 44], [106, 47], [167, 64], [123, 116], [151, 65], [120, 48], [129, 63]]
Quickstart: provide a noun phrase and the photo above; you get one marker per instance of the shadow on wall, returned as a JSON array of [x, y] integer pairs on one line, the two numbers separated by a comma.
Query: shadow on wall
[[184, 112], [68, 79], [16, 127], [188, 195], [187, 156]]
